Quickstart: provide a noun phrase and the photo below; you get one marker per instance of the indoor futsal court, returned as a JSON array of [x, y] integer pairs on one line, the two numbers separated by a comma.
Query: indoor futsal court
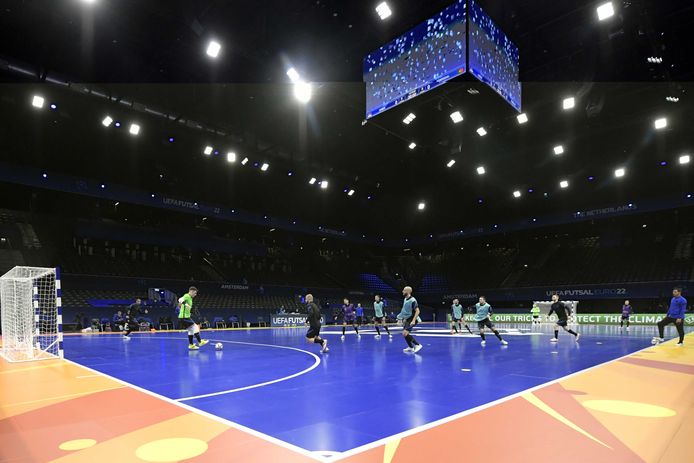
[[355, 231]]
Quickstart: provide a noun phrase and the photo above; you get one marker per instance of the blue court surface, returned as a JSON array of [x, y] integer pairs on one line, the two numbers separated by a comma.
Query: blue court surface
[[363, 390]]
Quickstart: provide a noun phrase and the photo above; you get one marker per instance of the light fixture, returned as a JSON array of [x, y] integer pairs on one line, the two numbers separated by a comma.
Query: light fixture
[[655, 59], [312, 181], [421, 206], [684, 159], [517, 194], [660, 123], [231, 156], [53, 106], [408, 120], [522, 118], [44, 175], [134, 129], [564, 184], [569, 103], [450, 163], [619, 173], [456, 117], [481, 170], [672, 99], [37, 101], [293, 75], [265, 167], [244, 162], [103, 186], [303, 91], [213, 49], [107, 121], [606, 10], [413, 145], [383, 10], [481, 132], [208, 150], [350, 193], [559, 149], [324, 184]]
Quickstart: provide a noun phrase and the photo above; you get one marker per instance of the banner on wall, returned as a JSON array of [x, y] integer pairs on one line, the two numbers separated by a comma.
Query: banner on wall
[[588, 319], [290, 320]]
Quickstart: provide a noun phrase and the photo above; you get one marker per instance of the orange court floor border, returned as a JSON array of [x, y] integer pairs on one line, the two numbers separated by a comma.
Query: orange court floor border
[[639, 408]]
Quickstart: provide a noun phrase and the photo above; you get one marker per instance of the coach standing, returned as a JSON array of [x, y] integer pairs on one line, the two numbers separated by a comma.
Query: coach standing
[[675, 314]]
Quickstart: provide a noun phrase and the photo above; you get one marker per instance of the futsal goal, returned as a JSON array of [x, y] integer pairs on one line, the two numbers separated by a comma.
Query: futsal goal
[[545, 307], [31, 313]]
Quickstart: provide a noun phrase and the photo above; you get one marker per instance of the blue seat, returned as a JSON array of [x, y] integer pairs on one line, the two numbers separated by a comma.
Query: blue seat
[[219, 322], [234, 322]]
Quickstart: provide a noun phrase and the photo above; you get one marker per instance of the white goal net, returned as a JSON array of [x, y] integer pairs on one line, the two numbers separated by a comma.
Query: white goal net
[[545, 307], [31, 312]]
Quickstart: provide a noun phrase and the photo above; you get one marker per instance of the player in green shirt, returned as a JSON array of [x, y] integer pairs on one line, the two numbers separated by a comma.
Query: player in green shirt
[[185, 304], [535, 312], [380, 317]]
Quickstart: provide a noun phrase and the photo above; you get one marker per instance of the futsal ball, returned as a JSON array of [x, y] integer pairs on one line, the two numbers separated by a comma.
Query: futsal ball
[[219, 346]]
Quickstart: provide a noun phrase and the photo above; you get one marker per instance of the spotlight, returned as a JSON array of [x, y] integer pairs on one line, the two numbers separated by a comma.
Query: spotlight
[[684, 159], [408, 120], [312, 181], [293, 75], [231, 156], [44, 175], [213, 49], [324, 184], [265, 167], [660, 123], [103, 186], [303, 91], [350, 193], [134, 129], [516, 194], [619, 173], [290, 173], [522, 118], [457, 117], [450, 163], [171, 139], [481, 170], [591, 178], [564, 184], [663, 163], [481, 132], [569, 103], [244, 162], [208, 150], [37, 101], [54, 106], [107, 121], [559, 149], [153, 196], [421, 206], [654, 59], [383, 10], [606, 10], [672, 99], [413, 145], [117, 124]]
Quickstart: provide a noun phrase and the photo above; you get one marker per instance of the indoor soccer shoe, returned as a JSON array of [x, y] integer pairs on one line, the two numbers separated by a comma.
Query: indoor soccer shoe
[[504, 342], [193, 347], [203, 342], [408, 350], [417, 348], [554, 340], [324, 347], [483, 343], [578, 335]]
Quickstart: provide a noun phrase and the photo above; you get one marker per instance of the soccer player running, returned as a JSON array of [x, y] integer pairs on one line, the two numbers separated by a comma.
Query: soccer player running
[[349, 316], [562, 312], [186, 305], [626, 313], [131, 314], [380, 317], [675, 314], [314, 315], [409, 315], [457, 317], [483, 311]]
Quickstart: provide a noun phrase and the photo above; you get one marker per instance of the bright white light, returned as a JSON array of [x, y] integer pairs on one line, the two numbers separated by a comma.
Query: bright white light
[[619, 172], [569, 103], [413, 145], [107, 121], [564, 184], [481, 132], [410, 117], [213, 49], [672, 99], [350, 193], [208, 150], [457, 117], [606, 10], [293, 75], [231, 156], [421, 206], [516, 194], [324, 184], [37, 101], [451, 163], [312, 181], [684, 159], [303, 91], [383, 10], [265, 167], [559, 149], [660, 123], [522, 118], [244, 162], [134, 129], [481, 170]]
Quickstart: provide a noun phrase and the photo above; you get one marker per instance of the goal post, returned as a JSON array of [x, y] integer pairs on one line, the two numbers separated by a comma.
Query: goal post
[[31, 313], [545, 306]]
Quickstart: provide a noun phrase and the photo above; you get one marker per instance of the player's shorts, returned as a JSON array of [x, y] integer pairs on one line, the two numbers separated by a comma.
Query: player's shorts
[[625, 316], [457, 320], [409, 323], [535, 317], [562, 322], [486, 322], [379, 319], [350, 319], [313, 331], [360, 319], [186, 322]]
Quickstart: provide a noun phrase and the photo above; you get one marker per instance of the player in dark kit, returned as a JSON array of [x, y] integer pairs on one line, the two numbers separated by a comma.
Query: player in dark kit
[[314, 316], [561, 310], [349, 316], [675, 314], [131, 314], [626, 313], [409, 315]]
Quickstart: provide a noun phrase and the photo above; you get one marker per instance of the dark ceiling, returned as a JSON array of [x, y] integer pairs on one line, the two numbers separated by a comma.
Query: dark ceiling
[[245, 97]]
